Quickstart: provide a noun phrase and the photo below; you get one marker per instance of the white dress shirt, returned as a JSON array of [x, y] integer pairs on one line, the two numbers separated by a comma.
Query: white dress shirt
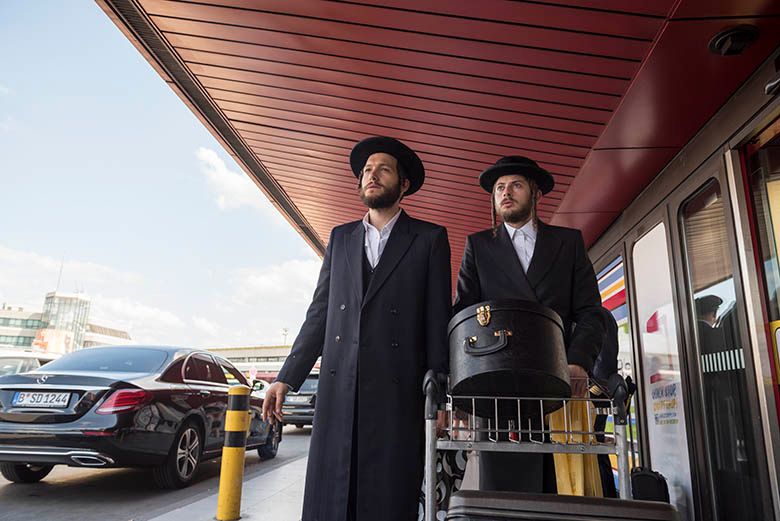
[[524, 241], [376, 240]]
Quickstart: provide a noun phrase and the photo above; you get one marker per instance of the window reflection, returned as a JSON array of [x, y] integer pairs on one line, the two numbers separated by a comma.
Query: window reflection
[[661, 383], [729, 430], [612, 287]]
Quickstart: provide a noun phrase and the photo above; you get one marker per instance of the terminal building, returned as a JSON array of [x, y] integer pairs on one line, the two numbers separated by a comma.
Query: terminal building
[[63, 326], [659, 120]]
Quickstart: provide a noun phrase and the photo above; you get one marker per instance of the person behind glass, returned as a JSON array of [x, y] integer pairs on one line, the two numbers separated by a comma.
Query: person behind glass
[[379, 320], [524, 258], [604, 367]]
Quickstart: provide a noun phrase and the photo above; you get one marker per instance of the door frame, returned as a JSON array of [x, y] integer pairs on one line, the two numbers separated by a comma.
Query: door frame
[[714, 169], [660, 215], [756, 325]]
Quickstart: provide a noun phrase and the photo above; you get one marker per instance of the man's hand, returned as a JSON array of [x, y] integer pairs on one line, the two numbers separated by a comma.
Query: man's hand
[[579, 381], [274, 398]]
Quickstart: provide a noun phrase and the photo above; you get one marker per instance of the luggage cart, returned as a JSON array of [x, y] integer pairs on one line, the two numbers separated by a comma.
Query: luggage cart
[[524, 433]]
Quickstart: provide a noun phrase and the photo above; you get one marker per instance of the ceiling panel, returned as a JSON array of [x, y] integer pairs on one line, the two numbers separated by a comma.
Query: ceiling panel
[[670, 112], [566, 18], [590, 223], [483, 45], [655, 8], [726, 8], [619, 175], [603, 93]]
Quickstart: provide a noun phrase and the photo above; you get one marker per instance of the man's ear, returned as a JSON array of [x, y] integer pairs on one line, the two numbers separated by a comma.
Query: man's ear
[[405, 186]]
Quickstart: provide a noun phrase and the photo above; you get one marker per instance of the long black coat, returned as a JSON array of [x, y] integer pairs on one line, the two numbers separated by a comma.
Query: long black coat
[[560, 276], [379, 346]]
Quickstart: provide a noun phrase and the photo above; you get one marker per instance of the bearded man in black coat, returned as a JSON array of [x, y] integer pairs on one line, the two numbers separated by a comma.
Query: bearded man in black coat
[[379, 320], [524, 258]]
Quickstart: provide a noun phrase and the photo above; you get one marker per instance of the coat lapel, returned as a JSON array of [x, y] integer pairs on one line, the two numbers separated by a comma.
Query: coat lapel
[[355, 245], [545, 252], [400, 239], [505, 257]]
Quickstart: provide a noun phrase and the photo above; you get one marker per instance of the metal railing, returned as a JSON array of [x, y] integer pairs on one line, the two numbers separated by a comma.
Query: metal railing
[[526, 428]]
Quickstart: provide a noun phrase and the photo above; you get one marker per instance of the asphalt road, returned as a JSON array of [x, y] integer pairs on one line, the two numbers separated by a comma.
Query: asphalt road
[[73, 494]]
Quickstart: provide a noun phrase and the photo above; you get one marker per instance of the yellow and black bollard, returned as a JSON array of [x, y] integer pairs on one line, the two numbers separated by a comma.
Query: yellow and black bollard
[[231, 477]]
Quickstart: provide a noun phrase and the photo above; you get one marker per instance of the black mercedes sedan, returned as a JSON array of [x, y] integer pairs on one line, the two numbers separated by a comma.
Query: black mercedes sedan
[[128, 406]]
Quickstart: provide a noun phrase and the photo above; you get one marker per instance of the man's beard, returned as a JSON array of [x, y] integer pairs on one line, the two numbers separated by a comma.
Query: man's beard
[[385, 199], [516, 215]]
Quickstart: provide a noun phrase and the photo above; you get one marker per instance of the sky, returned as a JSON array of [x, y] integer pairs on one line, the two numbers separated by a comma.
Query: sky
[[106, 173]]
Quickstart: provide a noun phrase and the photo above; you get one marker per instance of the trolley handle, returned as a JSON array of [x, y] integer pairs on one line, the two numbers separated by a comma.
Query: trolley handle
[[619, 392], [434, 388]]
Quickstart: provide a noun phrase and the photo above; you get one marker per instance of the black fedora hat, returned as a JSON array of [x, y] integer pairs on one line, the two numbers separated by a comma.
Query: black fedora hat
[[410, 162], [517, 165]]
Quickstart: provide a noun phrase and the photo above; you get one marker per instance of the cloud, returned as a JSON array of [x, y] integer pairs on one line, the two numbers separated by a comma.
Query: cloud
[[145, 323], [233, 189], [247, 305], [207, 326], [289, 281], [32, 275], [26, 277], [278, 296], [7, 124]]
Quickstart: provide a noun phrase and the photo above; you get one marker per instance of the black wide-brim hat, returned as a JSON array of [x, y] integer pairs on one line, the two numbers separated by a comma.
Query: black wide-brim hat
[[411, 163], [517, 165]]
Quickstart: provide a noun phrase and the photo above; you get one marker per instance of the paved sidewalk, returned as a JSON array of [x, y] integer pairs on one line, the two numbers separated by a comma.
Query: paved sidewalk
[[277, 495]]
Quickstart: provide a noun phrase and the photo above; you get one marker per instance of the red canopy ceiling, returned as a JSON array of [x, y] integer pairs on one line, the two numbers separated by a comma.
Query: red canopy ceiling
[[603, 93]]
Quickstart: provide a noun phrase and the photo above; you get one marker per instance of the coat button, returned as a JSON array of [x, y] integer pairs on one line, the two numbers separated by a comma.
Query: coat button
[[332, 372], [396, 380], [338, 338], [342, 307], [393, 311], [394, 344]]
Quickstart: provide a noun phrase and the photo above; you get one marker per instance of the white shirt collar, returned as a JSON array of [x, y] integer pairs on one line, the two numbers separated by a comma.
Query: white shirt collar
[[528, 229], [384, 232]]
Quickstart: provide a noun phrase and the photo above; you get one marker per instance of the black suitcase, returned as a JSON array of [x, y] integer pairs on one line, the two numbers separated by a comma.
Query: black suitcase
[[475, 505], [648, 485]]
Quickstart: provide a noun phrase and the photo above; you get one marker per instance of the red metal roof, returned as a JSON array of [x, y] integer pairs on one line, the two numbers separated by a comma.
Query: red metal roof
[[603, 93]]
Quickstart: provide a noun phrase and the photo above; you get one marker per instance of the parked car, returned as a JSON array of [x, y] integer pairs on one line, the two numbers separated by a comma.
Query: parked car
[[14, 361], [128, 406], [259, 388], [298, 407]]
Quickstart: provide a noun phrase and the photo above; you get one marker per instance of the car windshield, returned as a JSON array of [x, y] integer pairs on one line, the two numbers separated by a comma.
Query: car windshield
[[119, 360], [11, 365], [309, 385]]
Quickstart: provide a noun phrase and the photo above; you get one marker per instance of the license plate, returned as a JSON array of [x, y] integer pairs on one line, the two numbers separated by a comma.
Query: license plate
[[43, 400], [298, 399]]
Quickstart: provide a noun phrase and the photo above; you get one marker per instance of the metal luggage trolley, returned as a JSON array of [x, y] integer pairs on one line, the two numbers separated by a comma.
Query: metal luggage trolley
[[523, 434]]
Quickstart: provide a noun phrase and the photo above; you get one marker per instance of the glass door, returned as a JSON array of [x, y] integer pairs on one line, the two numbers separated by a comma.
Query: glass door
[[763, 169], [661, 385], [718, 349]]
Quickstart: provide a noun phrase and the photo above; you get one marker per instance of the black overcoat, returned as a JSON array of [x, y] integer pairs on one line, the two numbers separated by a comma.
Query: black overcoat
[[378, 344], [560, 276]]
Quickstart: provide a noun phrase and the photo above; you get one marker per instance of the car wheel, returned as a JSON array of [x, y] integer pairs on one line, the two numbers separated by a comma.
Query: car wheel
[[183, 458], [268, 451], [24, 473]]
